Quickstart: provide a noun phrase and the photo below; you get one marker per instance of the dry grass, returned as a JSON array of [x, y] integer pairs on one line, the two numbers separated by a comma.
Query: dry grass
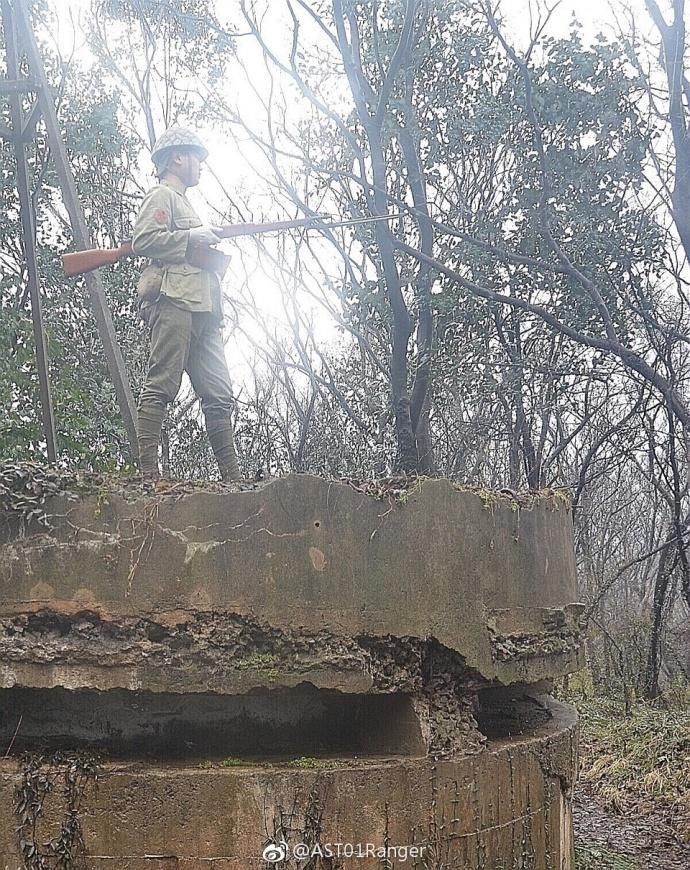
[[640, 763], [601, 859]]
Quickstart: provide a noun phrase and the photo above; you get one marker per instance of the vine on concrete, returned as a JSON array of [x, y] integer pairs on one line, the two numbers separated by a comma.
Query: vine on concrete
[[41, 777], [25, 486], [302, 823]]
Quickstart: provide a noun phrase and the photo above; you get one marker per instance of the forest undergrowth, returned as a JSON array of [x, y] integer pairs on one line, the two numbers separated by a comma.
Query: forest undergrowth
[[632, 801]]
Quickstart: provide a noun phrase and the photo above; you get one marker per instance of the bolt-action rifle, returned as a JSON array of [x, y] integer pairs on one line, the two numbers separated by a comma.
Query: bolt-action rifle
[[204, 256]]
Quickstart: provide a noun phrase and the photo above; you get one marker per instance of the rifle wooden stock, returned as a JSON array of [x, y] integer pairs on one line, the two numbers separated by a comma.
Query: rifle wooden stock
[[81, 262]]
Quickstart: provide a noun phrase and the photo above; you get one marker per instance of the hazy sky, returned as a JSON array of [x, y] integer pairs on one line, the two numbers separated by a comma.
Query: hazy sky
[[594, 15]]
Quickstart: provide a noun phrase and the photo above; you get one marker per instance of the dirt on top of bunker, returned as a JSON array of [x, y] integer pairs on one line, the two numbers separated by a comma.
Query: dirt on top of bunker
[[25, 487]]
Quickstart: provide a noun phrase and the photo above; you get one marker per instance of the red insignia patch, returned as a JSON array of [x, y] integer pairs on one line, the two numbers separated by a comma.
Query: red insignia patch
[[160, 216]]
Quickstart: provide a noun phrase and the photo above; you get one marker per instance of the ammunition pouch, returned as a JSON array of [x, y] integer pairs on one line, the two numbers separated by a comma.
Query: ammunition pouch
[[150, 283], [209, 259]]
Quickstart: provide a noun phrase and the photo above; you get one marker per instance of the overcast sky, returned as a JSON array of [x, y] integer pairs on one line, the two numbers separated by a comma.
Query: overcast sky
[[594, 15]]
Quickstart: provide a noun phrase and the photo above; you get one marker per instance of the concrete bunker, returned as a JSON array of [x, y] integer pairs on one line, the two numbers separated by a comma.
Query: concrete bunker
[[295, 645]]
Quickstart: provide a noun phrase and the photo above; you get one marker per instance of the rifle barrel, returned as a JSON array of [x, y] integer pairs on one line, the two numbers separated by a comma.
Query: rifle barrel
[[366, 220], [318, 222], [231, 231]]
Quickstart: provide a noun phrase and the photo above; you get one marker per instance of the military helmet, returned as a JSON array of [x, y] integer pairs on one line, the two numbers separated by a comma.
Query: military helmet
[[178, 137]]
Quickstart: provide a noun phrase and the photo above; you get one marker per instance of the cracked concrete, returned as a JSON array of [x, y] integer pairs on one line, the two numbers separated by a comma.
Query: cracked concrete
[[405, 644], [302, 554]]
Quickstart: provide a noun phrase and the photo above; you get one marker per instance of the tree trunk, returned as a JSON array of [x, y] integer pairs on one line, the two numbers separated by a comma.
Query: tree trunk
[[663, 576]]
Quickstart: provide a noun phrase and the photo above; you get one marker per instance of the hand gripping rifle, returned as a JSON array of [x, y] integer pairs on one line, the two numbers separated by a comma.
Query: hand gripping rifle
[[205, 256]]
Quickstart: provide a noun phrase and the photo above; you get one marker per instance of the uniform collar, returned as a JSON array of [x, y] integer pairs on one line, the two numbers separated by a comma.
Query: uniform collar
[[174, 183]]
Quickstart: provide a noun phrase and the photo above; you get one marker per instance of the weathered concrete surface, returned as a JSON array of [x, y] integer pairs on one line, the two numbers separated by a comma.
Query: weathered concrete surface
[[506, 808], [398, 640], [301, 581]]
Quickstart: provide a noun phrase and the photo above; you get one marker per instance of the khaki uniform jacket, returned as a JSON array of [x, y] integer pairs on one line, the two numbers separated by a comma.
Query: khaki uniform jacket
[[161, 232]]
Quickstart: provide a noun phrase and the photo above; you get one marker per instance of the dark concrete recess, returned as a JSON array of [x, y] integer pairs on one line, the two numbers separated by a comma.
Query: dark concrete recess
[[260, 724]]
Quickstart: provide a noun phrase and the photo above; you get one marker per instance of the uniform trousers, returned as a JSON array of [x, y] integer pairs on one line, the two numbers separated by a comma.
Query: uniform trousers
[[188, 341]]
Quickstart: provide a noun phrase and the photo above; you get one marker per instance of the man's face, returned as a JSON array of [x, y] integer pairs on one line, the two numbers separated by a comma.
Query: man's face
[[187, 167]]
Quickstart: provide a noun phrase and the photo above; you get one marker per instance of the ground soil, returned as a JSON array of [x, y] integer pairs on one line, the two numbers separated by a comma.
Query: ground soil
[[647, 842]]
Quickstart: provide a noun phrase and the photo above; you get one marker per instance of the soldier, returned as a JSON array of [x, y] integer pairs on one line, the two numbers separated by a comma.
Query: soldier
[[182, 308]]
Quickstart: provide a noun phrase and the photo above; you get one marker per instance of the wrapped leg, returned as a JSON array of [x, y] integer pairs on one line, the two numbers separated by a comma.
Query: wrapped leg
[[210, 378], [171, 330]]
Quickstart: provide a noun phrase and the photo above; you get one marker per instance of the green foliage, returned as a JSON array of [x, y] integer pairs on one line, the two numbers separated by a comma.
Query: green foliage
[[464, 104], [601, 859], [182, 39], [596, 143], [306, 762], [90, 431], [233, 762]]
